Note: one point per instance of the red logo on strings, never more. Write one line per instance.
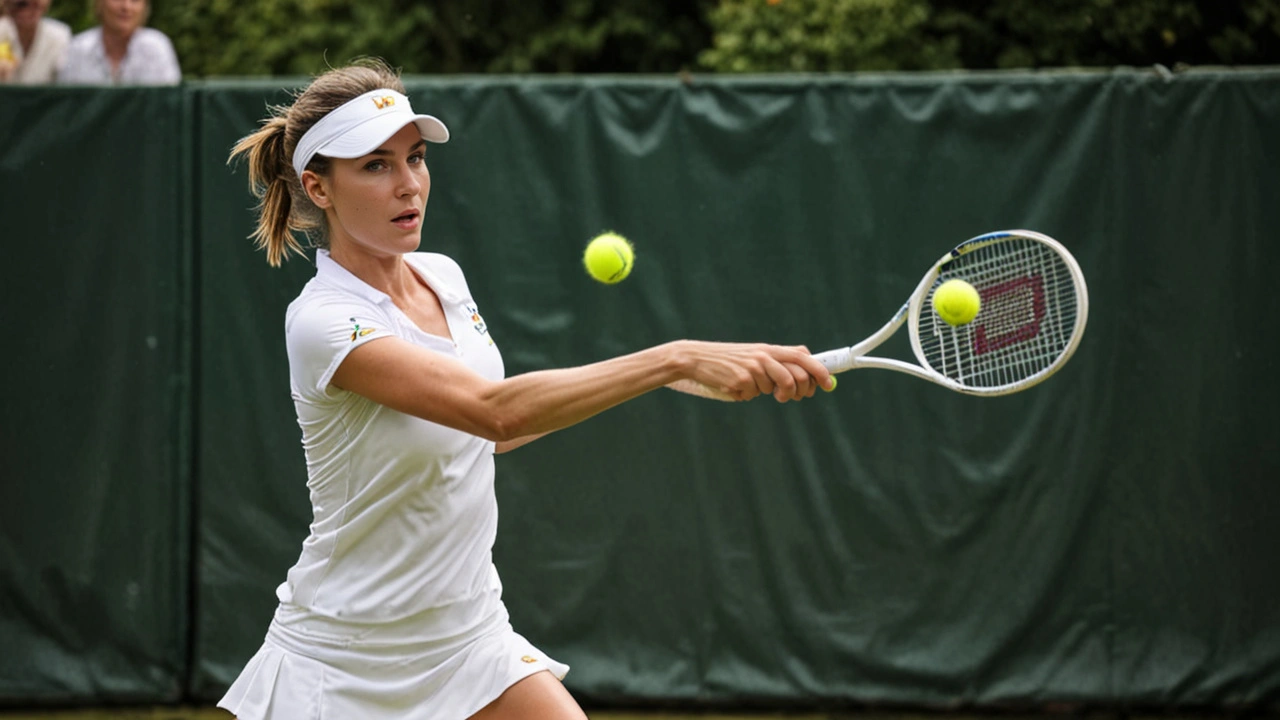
(1011, 312)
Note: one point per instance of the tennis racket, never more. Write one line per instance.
(1033, 313)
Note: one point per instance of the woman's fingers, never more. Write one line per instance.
(813, 368)
(804, 383)
(746, 371)
(805, 374)
(788, 373)
(784, 381)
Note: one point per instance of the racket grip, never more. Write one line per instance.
(836, 360)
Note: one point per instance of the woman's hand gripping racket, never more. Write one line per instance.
(1032, 316)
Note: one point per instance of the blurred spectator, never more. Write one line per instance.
(30, 43)
(120, 51)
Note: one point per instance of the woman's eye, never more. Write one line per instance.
(417, 158)
(374, 165)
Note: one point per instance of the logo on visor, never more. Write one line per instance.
(384, 101)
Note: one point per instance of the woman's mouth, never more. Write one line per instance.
(407, 220)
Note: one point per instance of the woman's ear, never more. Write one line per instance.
(316, 189)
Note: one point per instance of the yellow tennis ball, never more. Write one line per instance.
(608, 258)
(956, 302)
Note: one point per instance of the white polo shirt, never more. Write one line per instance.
(404, 510)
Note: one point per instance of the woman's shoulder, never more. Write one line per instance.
(436, 261)
(150, 34)
(93, 34)
(321, 299)
(55, 29)
(149, 37)
(443, 267)
(85, 40)
(325, 319)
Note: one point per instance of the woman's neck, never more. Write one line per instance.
(116, 45)
(27, 36)
(388, 274)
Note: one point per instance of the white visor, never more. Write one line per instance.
(361, 125)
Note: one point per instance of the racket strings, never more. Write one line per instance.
(1028, 314)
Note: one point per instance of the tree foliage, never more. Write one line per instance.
(825, 35)
(234, 37)
(850, 35)
(302, 37)
(1101, 33)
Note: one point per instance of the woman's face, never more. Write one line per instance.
(375, 203)
(122, 17)
(26, 13)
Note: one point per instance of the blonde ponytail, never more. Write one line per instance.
(270, 178)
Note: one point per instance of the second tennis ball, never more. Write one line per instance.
(608, 258)
(956, 302)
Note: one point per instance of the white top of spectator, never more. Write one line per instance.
(39, 66)
(150, 60)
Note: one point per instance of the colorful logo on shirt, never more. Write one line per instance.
(478, 322)
(529, 659)
(359, 332)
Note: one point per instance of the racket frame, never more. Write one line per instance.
(855, 356)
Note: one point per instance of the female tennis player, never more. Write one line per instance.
(394, 609)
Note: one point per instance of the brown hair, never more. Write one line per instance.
(285, 206)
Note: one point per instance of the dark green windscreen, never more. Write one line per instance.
(1107, 537)
(94, 526)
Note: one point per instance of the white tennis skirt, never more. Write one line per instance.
(443, 664)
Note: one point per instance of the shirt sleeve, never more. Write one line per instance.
(320, 334)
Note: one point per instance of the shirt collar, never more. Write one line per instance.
(328, 270)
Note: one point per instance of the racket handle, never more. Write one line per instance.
(836, 360)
